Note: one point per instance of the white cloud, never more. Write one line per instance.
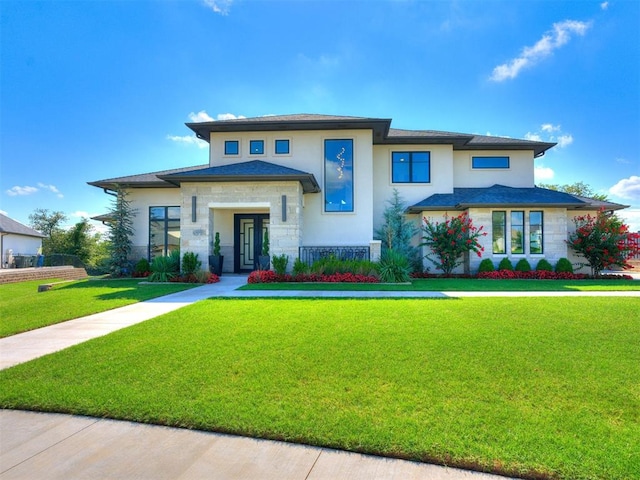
(17, 190)
(201, 116)
(630, 216)
(82, 214)
(559, 35)
(188, 140)
(604, 5)
(229, 116)
(51, 188)
(534, 137)
(219, 6)
(548, 127)
(564, 140)
(542, 173)
(628, 188)
(623, 161)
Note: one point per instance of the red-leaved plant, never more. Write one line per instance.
(450, 240)
(604, 241)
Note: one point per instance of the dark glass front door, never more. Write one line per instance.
(248, 234)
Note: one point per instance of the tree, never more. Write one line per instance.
(396, 233)
(120, 233)
(604, 240)
(450, 240)
(578, 188)
(50, 224)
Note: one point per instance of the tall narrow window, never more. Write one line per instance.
(535, 232)
(338, 175)
(410, 167)
(164, 230)
(499, 228)
(517, 232)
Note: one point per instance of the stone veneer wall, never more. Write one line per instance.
(240, 197)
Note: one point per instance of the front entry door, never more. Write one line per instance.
(248, 234)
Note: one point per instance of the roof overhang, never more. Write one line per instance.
(307, 180)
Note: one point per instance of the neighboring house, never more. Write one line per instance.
(19, 244)
(320, 183)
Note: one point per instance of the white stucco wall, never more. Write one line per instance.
(307, 155)
(20, 244)
(519, 173)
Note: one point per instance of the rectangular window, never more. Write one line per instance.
(517, 232)
(489, 162)
(164, 230)
(499, 228)
(410, 167)
(338, 175)
(256, 147)
(231, 147)
(282, 147)
(535, 232)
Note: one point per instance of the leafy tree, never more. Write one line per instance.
(450, 240)
(397, 232)
(578, 188)
(120, 233)
(604, 240)
(50, 224)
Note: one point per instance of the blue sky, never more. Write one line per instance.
(98, 89)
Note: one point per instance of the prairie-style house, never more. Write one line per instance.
(320, 183)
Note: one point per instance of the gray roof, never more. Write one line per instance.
(10, 226)
(382, 133)
(502, 196)
(252, 171)
(144, 180)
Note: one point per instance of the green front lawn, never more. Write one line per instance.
(23, 308)
(540, 387)
(461, 284)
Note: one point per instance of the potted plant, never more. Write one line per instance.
(264, 260)
(216, 260)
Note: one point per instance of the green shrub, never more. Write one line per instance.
(394, 267)
(163, 269)
(564, 266)
(544, 265)
(486, 265)
(505, 264)
(142, 266)
(280, 263)
(299, 267)
(523, 265)
(331, 264)
(190, 263)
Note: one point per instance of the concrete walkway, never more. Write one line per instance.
(54, 446)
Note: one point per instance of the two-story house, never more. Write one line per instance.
(320, 183)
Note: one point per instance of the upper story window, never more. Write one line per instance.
(489, 162)
(231, 147)
(338, 175)
(282, 147)
(256, 147)
(411, 167)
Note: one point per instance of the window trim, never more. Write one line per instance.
(257, 142)
(490, 167)
(275, 146)
(504, 232)
(411, 153)
(541, 252)
(352, 167)
(228, 143)
(513, 229)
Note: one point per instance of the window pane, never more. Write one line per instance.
(173, 213)
(338, 175)
(156, 213)
(156, 239)
(490, 162)
(400, 167)
(517, 232)
(535, 232)
(256, 147)
(231, 147)
(282, 147)
(498, 228)
(420, 167)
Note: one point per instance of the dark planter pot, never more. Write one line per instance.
(264, 262)
(215, 264)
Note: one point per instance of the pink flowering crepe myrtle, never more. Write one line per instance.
(450, 240)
